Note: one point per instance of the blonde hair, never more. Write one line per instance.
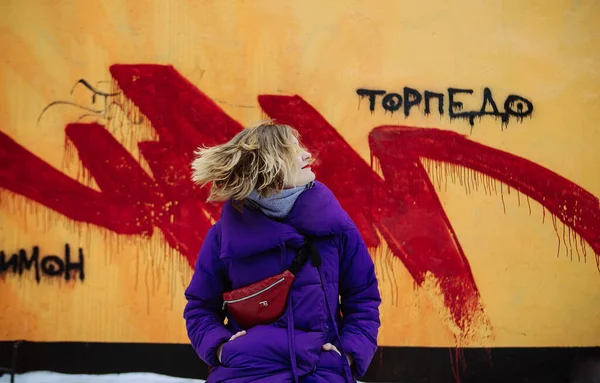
(260, 157)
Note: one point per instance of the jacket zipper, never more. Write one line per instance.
(253, 295)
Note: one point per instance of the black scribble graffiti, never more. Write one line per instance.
(54, 103)
(95, 92)
(107, 112)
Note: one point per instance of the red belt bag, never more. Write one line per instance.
(263, 302)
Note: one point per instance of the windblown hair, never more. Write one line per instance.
(260, 157)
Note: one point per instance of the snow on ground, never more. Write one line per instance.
(134, 377)
(53, 377)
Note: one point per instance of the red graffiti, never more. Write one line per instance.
(403, 206)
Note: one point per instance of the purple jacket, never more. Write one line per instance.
(244, 247)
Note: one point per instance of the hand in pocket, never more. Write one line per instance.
(234, 336)
(330, 347)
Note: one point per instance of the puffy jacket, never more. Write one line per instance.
(245, 246)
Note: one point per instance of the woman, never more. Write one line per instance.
(272, 205)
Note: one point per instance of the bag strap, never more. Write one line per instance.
(308, 250)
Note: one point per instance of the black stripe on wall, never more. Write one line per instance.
(390, 364)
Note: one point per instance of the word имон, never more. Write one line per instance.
(48, 265)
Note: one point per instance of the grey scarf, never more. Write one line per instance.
(277, 205)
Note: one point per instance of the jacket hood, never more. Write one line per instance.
(315, 213)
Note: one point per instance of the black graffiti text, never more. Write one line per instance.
(514, 105)
(48, 266)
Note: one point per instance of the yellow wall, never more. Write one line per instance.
(323, 51)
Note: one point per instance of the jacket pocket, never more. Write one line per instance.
(260, 345)
(332, 361)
